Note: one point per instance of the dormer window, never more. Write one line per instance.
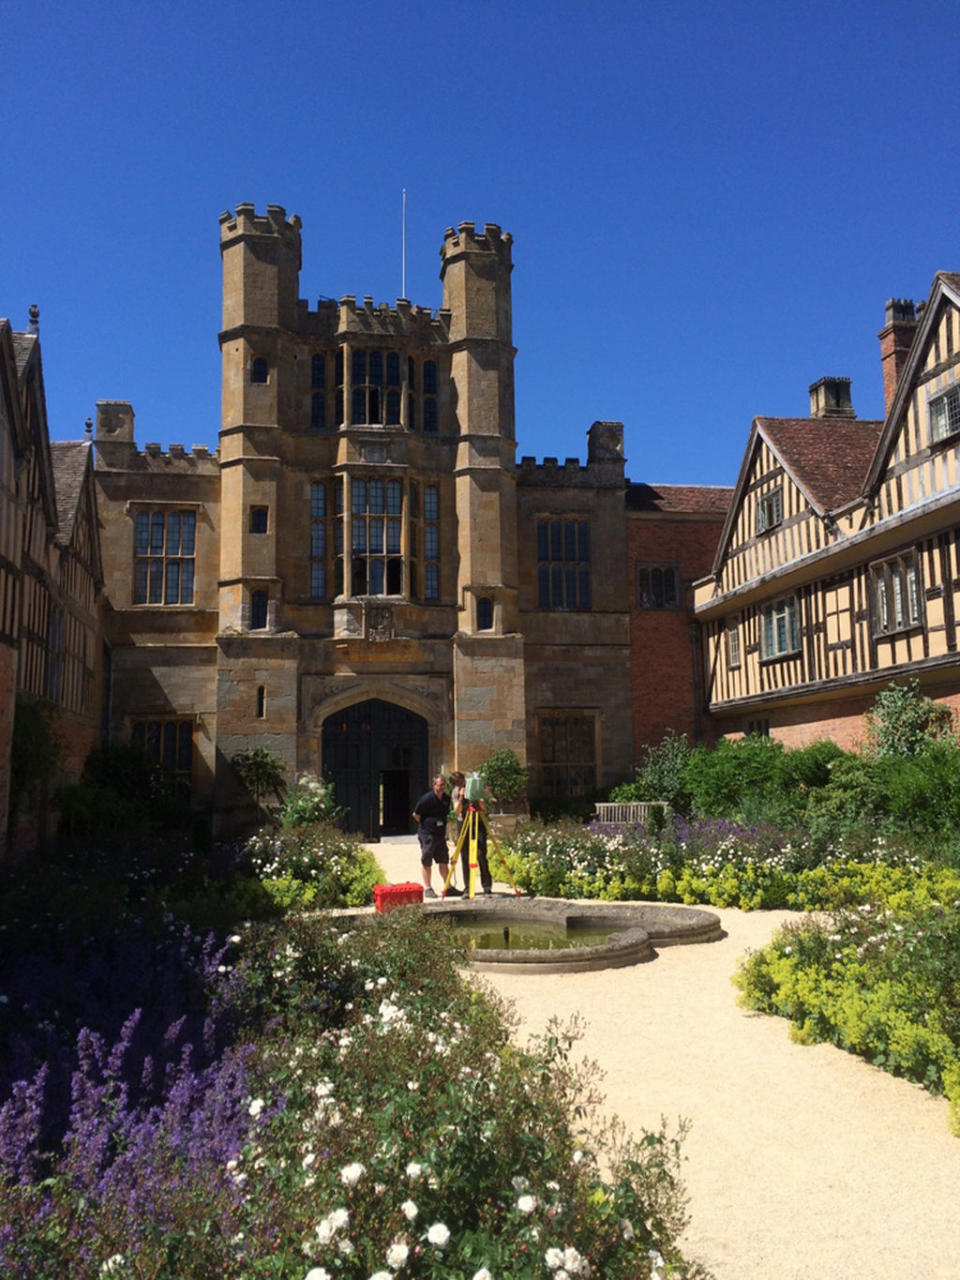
(945, 415)
(769, 510)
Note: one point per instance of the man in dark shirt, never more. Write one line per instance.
(431, 814)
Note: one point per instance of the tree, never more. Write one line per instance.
(505, 776)
(34, 755)
(263, 774)
(903, 722)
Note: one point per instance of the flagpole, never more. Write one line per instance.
(403, 243)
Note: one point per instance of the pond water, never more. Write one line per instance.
(509, 934)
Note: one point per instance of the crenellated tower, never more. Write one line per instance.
(488, 652)
(261, 265)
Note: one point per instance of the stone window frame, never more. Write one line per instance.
(569, 771)
(259, 609)
(164, 555)
(170, 741)
(564, 564)
(659, 586)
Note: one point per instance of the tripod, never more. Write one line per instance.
(470, 834)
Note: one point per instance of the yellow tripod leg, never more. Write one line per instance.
(453, 861)
(496, 844)
(472, 852)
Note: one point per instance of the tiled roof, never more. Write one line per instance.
(829, 457)
(69, 459)
(694, 499)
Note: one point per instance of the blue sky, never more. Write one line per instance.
(710, 203)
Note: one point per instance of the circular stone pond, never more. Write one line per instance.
(552, 935)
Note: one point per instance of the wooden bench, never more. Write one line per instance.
(634, 812)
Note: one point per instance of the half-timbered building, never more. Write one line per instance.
(837, 569)
(50, 578)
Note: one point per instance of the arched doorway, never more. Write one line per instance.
(375, 754)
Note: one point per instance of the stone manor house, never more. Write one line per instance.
(364, 578)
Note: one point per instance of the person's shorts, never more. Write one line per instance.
(433, 847)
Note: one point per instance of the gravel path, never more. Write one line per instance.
(802, 1162)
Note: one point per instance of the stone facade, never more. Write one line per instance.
(363, 579)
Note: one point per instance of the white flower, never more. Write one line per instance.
(256, 1107)
(317, 1273)
(381, 1275)
(527, 1204)
(520, 1183)
(346, 1247)
(409, 1209)
(438, 1234)
(577, 1156)
(572, 1261)
(351, 1174)
(339, 1219)
(397, 1255)
(112, 1265)
(554, 1258)
(309, 1159)
(414, 1170)
(482, 1274)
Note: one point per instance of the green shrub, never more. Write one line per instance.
(310, 799)
(365, 1132)
(735, 779)
(34, 754)
(123, 796)
(661, 775)
(922, 791)
(504, 776)
(314, 866)
(264, 776)
(881, 980)
(903, 723)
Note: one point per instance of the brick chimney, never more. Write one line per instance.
(830, 398)
(896, 339)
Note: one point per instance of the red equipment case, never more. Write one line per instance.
(388, 896)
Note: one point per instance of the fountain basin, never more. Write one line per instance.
(634, 931)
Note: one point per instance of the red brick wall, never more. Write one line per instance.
(843, 720)
(666, 682)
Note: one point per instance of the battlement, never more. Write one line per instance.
(466, 239)
(176, 460)
(604, 465)
(245, 222)
(405, 319)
